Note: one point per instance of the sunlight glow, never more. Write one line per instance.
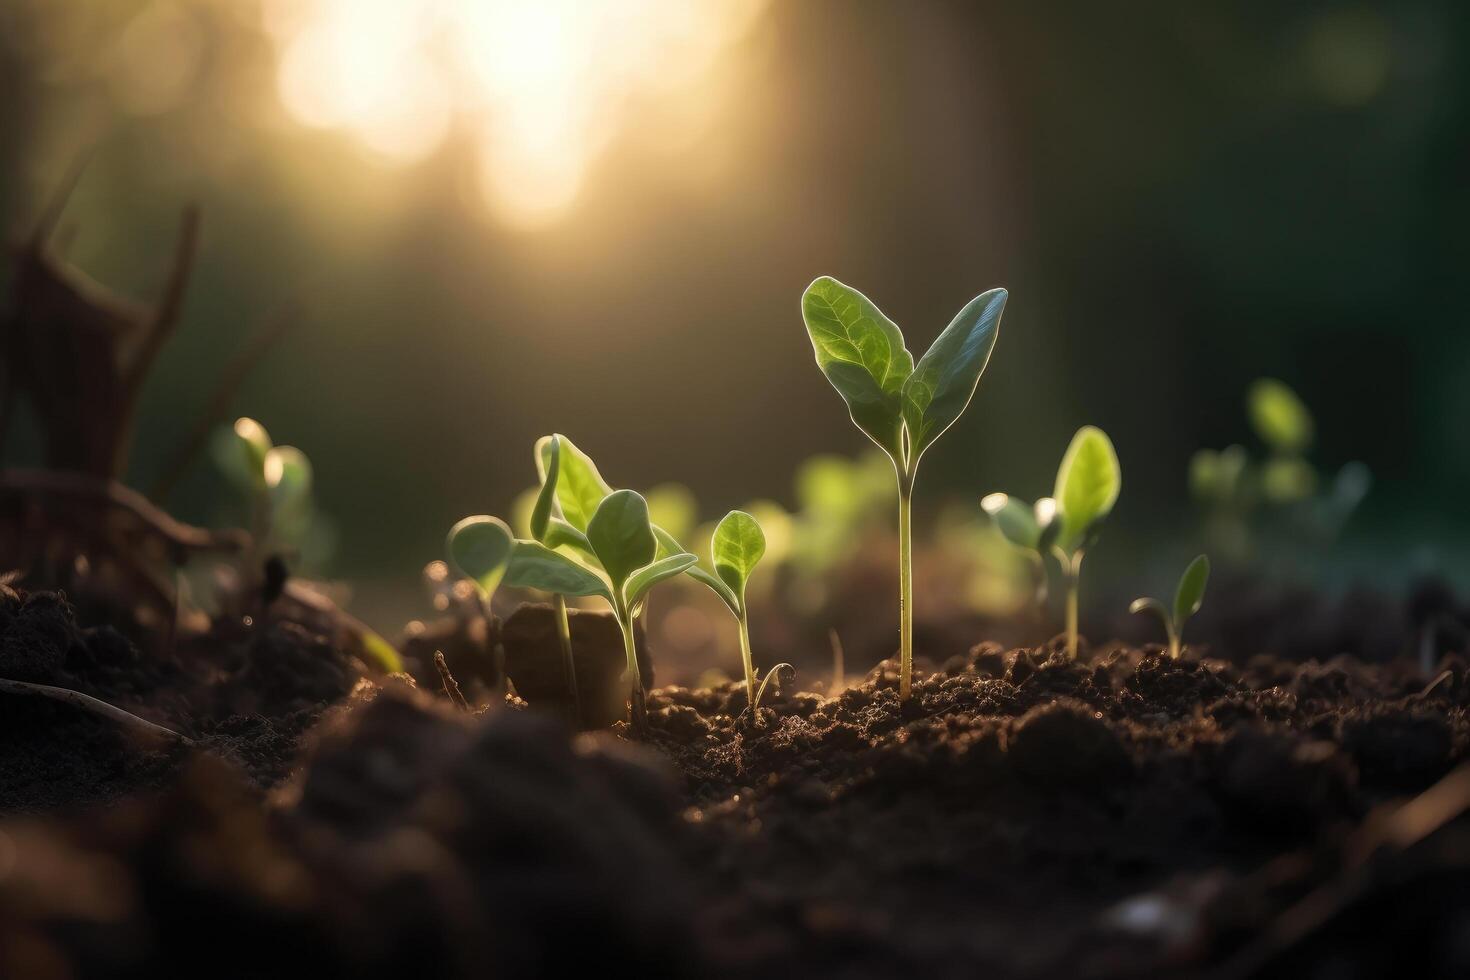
(539, 86)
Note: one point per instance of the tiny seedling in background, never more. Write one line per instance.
(479, 548)
(1088, 483)
(1188, 597)
(902, 406)
(277, 482)
(1018, 524)
(737, 545)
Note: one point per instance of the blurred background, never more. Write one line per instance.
(495, 220)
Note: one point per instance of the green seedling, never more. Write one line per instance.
(479, 548)
(548, 465)
(1188, 597)
(620, 539)
(278, 483)
(737, 545)
(1088, 483)
(1018, 523)
(902, 406)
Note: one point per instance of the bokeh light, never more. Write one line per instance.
(538, 87)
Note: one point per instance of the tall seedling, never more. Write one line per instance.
(903, 407)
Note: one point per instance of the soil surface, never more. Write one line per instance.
(1022, 815)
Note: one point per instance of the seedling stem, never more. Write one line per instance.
(748, 661)
(564, 634)
(905, 585)
(638, 705)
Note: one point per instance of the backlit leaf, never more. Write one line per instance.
(548, 460)
(579, 487)
(944, 380)
(480, 548)
(650, 575)
(862, 353)
(1191, 592)
(736, 547)
(1088, 483)
(621, 535)
(1016, 520)
(535, 566)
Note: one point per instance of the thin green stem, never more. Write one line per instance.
(905, 587)
(638, 708)
(564, 635)
(1174, 642)
(1073, 570)
(748, 660)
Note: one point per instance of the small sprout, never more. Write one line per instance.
(737, 545)
(621, 541)
(1088, 483)
(277, 483)
(902, 406)
(1187, 599)
(1020, 525)
(1279, 417)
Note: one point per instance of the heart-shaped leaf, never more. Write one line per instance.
(1279, 417)
(579, 487)
(535, 566)
(862, 353)
(1191, 592)
(944, 380)
(736, 547)
(650, 575)
(1088, 484)
(621, 535)
(1016, 520)
(480, 548)
(548, 461)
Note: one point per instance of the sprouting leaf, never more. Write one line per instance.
(1279, 417)
(579, 487)
(862, 353)
(1088, 484)
(736, 547)
(256, 443)
(381, 652)
(548, 458)
(1015, 519)
(1150, 605)
(944, 380)
(650, 575)
(559, 533)
(1191, 592)
(621, 535)
(535, 566)
(480, 547)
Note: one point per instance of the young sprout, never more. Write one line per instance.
(737, 545)
(1020, 526)
(548, 465)
(1088, 483)
(902, 406)
(620, 539)
(277, 481)
(479, 548)
(1187, 599)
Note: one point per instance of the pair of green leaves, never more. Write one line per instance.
(590, 539)
(1087, 486)
(1189, 595)
(278, 478)
(902, 406)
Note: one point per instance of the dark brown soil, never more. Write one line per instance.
(1022, 815)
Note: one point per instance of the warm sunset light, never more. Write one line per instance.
(540, 87)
